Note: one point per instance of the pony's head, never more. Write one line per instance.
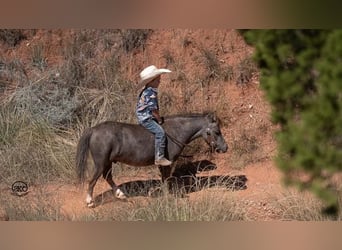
(212, 134)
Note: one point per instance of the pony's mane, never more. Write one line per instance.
(194, 115)
(189, 115)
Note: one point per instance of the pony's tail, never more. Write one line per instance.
(82, 154)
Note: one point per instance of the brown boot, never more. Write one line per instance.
(162, 162)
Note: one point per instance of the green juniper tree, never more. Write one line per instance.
(301, 74)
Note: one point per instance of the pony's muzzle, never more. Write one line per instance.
(222, 149)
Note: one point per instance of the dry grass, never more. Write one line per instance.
(300, 207)
(214, 204)
(209, 207)
(38, 57)
(245, 149)
(209, 204)
(33, 151)
(134, 38)
(245, 71)
(11, 37)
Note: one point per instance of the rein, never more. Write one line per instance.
(179, 144)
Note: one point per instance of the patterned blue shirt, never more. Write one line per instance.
(147, 102)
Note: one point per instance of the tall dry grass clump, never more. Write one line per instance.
(11, 37)
(32, 150)
(302, 206)
(209, 207)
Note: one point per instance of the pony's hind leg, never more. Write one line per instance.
(92, 182)
(107, 175)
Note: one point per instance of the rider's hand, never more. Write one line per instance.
(157, 117)
(161, 120)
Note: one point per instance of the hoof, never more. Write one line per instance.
(154, 192)
(120, 195)
(91, 205)
(90, 201)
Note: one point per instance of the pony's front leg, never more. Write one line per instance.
(168, 178)
(89, 200)
(166, 172)
(107, 175)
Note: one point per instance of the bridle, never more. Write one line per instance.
(210, 140)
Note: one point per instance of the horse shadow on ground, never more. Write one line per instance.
(182, 182)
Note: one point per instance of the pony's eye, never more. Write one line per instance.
(208, 132)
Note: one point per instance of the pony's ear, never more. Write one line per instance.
(212, 117)
(215, 119)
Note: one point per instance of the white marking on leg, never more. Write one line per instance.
(119, 194)
(89, 199)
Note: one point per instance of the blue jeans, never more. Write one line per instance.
(160, 138)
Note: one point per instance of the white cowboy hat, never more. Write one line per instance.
(149, 73)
